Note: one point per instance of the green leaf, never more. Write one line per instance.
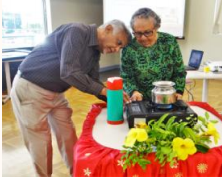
(170, 123)
(163, 143)
(143, 163)
(151, 122)
(172, 155)
(202, 119)
(207, 115)
(165, 150)
(135, 161)
(160, 130)
(188, 118)
(214, 121)
(202, 147)
(190, 134)
(162, 118)
(181, 127)
(124, 167)
(127, 161)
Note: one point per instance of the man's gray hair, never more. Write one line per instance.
(146, 13)
(119, 26)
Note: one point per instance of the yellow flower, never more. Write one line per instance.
(212, 132)
(183, 147)
(135, 134)
(141, 125)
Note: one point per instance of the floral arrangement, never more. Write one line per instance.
(171, 141)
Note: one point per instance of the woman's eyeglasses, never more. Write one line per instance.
(140, 34)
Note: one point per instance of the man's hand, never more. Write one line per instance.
(103, 92)
(136, 96)
(126, 97)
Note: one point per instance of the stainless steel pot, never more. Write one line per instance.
(164, 92)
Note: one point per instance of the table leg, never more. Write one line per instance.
(205, 90)
(5, 98)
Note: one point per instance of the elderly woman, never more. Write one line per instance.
(151, 56)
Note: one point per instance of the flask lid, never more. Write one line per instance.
(115, 83)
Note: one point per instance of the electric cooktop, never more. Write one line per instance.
(144, 111)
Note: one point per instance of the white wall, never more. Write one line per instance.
(198, 31)
(85, 11)
(68, 11)
(198, 25)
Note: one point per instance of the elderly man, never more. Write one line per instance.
(68, 57)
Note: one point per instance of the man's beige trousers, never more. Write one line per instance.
(38, 111)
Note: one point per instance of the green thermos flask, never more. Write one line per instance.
(115, 100)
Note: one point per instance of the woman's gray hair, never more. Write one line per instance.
(146, 13)
(119, 26)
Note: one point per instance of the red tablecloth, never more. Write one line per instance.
(92, 159)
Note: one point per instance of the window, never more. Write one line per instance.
(23, 23)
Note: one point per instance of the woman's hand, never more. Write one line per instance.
(179, 96)
(126, 98)
(136, 96)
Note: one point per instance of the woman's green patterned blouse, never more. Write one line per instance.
(142, 66)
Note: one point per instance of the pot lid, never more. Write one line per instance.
(164, 83)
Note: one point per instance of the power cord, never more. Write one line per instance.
(189, 93)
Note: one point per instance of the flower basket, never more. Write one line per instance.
(171, 141)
